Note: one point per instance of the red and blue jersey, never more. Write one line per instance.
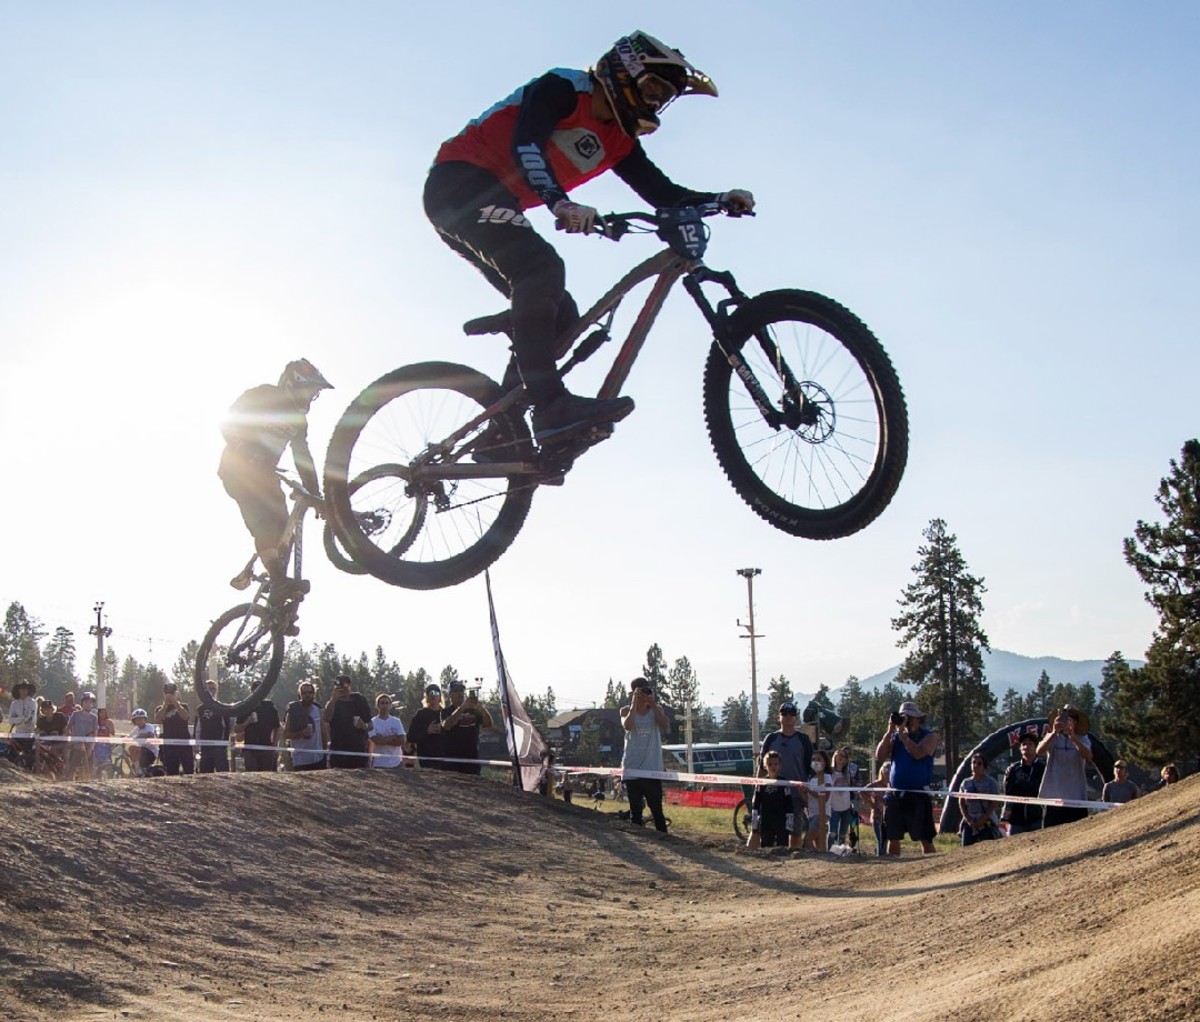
(546, 126)
(545, 139)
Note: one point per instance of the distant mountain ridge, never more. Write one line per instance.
(1004, 670)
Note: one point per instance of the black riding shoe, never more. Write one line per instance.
(287, 589)
(494, 445)
(568, 415)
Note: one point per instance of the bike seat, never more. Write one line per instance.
(499, 323)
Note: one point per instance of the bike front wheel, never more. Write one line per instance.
(243, 651)
(369, 520)
(408, 501)
(827, 458)
(741, 821)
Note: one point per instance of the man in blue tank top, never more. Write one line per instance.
(908, 809)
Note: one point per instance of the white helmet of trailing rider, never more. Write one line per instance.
(302, 374)
(641, 76)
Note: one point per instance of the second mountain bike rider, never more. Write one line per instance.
(260, 426)
(551, 135)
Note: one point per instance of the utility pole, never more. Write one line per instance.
(687, 733)
(748, 574)
(102, 632)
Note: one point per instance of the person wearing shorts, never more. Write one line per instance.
(908, 808)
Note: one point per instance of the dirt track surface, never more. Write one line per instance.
(431, 896)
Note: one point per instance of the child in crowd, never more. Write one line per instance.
(841, 810)
(818, 796)
(874, 802)
(771, 817)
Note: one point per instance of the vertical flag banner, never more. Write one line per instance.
(525, 745)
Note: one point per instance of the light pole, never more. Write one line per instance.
(748, 574)
(102, 632)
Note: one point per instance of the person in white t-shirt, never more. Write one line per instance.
(141, 753)
(386, 736)
(22, 721)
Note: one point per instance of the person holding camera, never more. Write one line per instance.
(172, 716)
(1068, 751)
(908, 807)
(645, 723)
(461, 722)
(347, 715)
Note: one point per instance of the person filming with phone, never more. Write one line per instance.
(1068, 751)
(461, 723)
(172, 718)
(645, 723)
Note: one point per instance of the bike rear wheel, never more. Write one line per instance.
(390, 483)
(243, 650)
(835, 460)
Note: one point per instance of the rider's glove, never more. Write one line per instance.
(738, 200)
(576, 219)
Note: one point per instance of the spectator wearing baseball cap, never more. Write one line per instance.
(910, 746)
(462, 721)
(795, 763)
(425, 730)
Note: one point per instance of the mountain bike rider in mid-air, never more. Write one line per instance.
(532, 148)
(261, 424)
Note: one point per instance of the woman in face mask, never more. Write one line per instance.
(818, 796)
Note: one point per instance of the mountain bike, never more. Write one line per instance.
(243, 648)
(803, 408)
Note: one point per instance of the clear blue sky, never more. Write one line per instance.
(195, 193)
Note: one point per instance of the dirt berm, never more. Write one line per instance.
(433, 896)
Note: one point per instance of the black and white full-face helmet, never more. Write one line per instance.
(641, 76)
(301, 375)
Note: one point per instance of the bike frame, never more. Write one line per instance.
(667, 267)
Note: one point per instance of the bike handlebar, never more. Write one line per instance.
(616, 225)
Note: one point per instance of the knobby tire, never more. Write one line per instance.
(829, 477)
(434, 532)
(255, 679)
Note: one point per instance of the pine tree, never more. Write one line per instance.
(20, 655)
(684, 690)
(615, 695)
(58, 665)
(655, 672)
(1041, 699)
(735, 719)
(939, 625)
(779, 691)
(1158, 706)
(1012, 706)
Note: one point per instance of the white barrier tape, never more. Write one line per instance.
(727, 779)
(157, 743)
(676, 776)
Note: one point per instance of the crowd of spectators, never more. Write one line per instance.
(76, 741)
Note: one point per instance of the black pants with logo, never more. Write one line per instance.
(482, 221)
